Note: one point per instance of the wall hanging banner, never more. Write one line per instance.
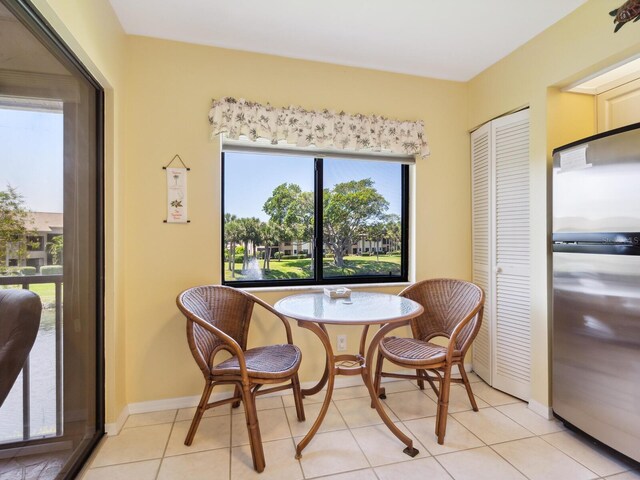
(176, 195)
(324, 129)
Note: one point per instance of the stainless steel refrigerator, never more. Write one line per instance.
(596, 287)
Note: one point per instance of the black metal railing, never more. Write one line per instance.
(25, 282)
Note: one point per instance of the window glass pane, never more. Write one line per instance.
(268, 217)
(362, 234)
(31, 147)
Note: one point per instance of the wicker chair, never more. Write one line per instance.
(452, 309)
(218, 320)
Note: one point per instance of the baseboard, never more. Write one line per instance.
(170, 403)
(540, 409)
(192, 401)
(114, 428)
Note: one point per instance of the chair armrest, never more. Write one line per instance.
(477, 312)
(233, 345)
(269, 308)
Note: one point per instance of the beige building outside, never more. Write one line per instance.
(47, 226)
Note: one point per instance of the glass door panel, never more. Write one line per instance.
(51, 244)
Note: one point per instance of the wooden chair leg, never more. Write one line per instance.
(420, 380)
(439, 398)
(435, 389)
(199, 412)
(297, 398)
(443, 405)
(236, 393)
(467, 385)
(378, 378)
(255, 439)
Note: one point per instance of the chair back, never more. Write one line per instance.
(19, 323)
(225, 310)
(447, 302)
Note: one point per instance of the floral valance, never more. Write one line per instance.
(322, 129)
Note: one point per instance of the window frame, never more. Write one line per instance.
(319, 279)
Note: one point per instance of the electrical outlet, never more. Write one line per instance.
(342, 343)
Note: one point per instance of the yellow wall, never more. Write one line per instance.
(171, 86)
(580, 44)
(93, 32)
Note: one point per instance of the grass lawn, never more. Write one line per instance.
(300, 269)
(46, 291)
(47, 294)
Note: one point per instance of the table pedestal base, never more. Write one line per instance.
(350, 365)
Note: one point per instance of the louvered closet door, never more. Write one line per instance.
(511, 370)
(482, 241)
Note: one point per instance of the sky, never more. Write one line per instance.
(31, 157)
(251, 178)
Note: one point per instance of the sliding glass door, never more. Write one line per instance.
(50, 243)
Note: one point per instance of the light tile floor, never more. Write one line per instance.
(504, 440)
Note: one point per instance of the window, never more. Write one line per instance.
(304, 220)
(35, 243)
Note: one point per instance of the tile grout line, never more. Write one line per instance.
(485, 445)
(370, 467)
(509, 418)
(576, 460)
(304, 475)
(166, 444)
(293, 440)
(519, 423)
(435, 457)
(348, 428)
(507, 460)
(356, 440)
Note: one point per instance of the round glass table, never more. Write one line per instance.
(314, 311)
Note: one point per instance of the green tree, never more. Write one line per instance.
(291, 213)
(256, 234)
(376, 231)
(306, 226)
(14, 229)
(348, 209)
(231, 237)
(56, 248)
(269, 238)
(249, 232)
(393, 230)
(281, 206)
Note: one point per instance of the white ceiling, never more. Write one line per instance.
(448, 39)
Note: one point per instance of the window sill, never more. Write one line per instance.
(320, 288)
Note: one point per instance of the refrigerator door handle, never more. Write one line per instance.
(602, 249)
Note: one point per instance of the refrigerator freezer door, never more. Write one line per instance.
(599, 191)
(596, 346)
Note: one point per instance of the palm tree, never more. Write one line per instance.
(249, 233)
(232, 230)
(376, 232)
(393, 230)
(56, 248)
(268, 238)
